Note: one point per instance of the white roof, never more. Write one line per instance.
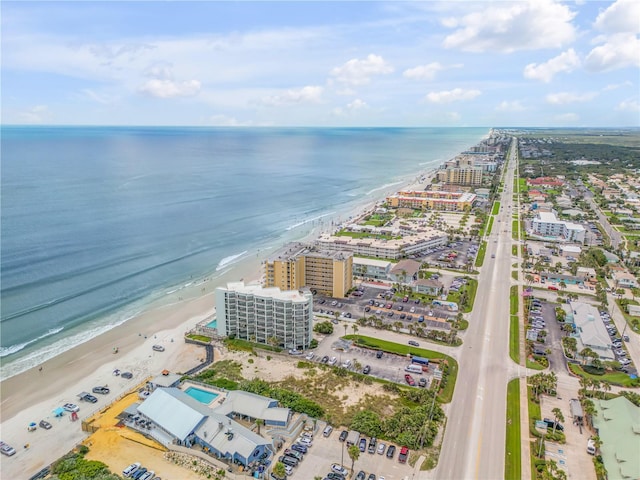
(252, 405)
(571, 249)
(371, 262)
(269, 292)
(548, 217)
(214, 432)
(174, 411)
(590, 326)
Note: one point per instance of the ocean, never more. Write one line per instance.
(97, 223)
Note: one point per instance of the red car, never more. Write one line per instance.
(552, 287)
(409, 379)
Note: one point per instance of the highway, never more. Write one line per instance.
(474, 439)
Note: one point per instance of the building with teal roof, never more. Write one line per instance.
(617, 423)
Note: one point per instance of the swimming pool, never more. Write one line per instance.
(203, 396)
(213, 324)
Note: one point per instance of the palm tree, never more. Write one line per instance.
(558, 417)
(354, 454)
(259, 422)
(355, 330)
(345, 328)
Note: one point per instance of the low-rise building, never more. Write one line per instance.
(428, 286)
(180, 419)
(371, 268)
(405, 271)
(546, 225)
(570, 251)
(587, 273)
(590, 331)
(617, 424)
(559, 277)
(624, 280)
(432, 200)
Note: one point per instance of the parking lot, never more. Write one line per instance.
(328, 450)
(386, 366)
(380, 302)
(453, 255)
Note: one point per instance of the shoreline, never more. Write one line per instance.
(32, 394)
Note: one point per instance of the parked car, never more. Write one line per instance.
(379, 354)
(87, 397)
(294, 453)
(44, 424)
(366, 369)
(148, 475)
(363, 444)
(138, 473)
(372, 445)
(413, 343)
(403, 455)
(391, 451)
(71, 407)
(361, 475)
(298, 447)
(343, 435)
(333, 361)
(131, 469)
(158, 348)
(336, 467)
(288, 461)
(335, 476)
(127, 375)
(381, 448)
(422, 382)
(325, 359)
(306, 441)
(101, 390)
(327, 430)
(551, 423)
(6, 449)
(409, 379)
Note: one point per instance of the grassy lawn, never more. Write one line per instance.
(631, 321)
(514, 338)
(400, 349)
(618, 378)
(489, 225)
(515, 228)
(513, 299)
(514, 274)
(534, 365)
(470, 288)
(238, 344)
(514, 250)
(496, 208)
(199, 338)
(481, 253)
(512, 464)
(522, 183)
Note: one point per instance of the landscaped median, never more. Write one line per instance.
(515, 227)
(514, 338)
(489, 225)
(481, 253)
(449, 365)
(614, 378)
(512, 460)
(496, 208)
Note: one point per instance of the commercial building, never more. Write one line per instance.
(297, 265)
(371, 269)
(546, 225)
(624, 280)
(405, 271)
(391, 249)
(590, 331)
(265, 315)
(428, 286)
(179, 419)
(433, 200)
(617, 423)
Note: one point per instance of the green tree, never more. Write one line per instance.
(259, 423)
(279, 470)
(558, 416)
(354, 454)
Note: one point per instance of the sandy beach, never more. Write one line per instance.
(32, 395)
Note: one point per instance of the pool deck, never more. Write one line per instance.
(219, 400)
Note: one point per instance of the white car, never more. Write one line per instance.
(131, 469)
(306, 441)
(148, 475)
(339, 469)
(288, 469)
(309, 356)
(333, 361)
(381, 448)
(71, 407)
(158, 348)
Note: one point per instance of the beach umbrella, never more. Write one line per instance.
(58, 412)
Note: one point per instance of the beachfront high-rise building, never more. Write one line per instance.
(461, 175)
(433, 200)
(297, 265)
(265, 315)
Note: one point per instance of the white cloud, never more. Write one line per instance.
(36, 114)
(359, 72)
(562, 98)
(513, 26)
(510, 106)
(447, 96)
(350, 108)
(357, 104)
(565, 62)
(567, 118)
(169, 89)
(97, 97)
(622, 16)
(618, 51)
(308, 94)
(427, 72)
(615, 86)
(630, 105)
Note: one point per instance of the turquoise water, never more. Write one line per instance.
(203, 396)
(213, 324)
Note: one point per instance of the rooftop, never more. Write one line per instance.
(270, 292)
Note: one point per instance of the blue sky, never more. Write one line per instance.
(455, 63)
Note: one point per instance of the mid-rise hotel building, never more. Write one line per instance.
(433, 200)
(546, 224)
(297, 265)
(265, 315)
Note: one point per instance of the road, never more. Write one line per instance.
(614, 235)
(474, 440)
